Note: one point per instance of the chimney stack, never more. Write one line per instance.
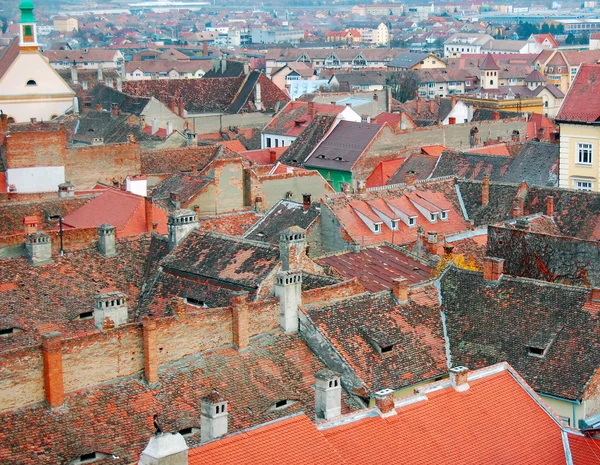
(400, 289)
(495, 116)
(246, 68)
(419, 244)
(154, 126)
(388, 99)
(241, 331)
(106, 240)
(181, 107)
(149, 211)
(459, 377)
(111, 305)
(311, 109)
(169, 128)
(485, 190)
(165, 449)
(98, 107)
(114, 110)
(361, 187)
(288, 288)
(39, 248)
(409, 179)
(119, 84)
(66, 190)
(292, 247)
(432, 240)
(74, 76)
(100, 74)
(214, 417)
(180, 224)
(205, 48)
(272, 156)
(518, 206)
(431, 106)
(384, 401)
(3, 122)
(550, 205)
(172, 104)
(223, 65)
(328, 395)
(175, 199)
(493, 268)
(53, 369)
(453, 101)
(257, 96)
(418, 105)
(306, 201)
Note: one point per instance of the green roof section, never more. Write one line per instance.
(27, 8)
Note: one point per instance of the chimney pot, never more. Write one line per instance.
(400, 289)
(459, 377)
(493, 268)
(384, 400)
(328, 395)
(448, 249)
(214, 417)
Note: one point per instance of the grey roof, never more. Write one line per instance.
(407, 60)
(343, 146)
(536, 164)
(106, 96)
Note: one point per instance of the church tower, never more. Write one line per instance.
(27, 27)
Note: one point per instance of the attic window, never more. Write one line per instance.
(86, 315)
(394, 225)
(8, 331)
(339, 159)
(387, 350)
(321, 156)
(189, 431)
(88, 457)
(260, 234)
(377, 227)
(412, 221)
(195, 302)
(433, 217)
(31, 83)
(281, 404)
(537, 351)
(444, 215)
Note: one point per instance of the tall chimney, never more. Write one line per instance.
(181, 109)
(165, 449)
(111, 305)
(205, 48)
(459, 377)
(496, 116)
(169, 128)
(384, 401)
(272, 156)
(119, 84)
(100, 74)
(172, 104)
(306, 201)
(328, 395)
(106, 240)
(154, 126)
(431, 106)
(288, 288)
(114, 110)
(400, 289)
(418, 105)
(388, 99)
(493, 268)
(453, 101)
(53, 369)
(180, 224)
(241, 331)
(485, 190)
(311, 110)
(4, 122)
(550, 205)
(66, 190)
(257, 96)
(420, 236)
(223, 65)
(214, 417)
(149, 211)
(74, 76)
(432, 242)
(150, 350)
(292, 247)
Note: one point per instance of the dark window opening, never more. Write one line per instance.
(86, 315)
(6, 331)
(31, 82)
(185, 431)
(199, 303)
(281, 403)
(90, 456)
(536, 351)
(387, 349)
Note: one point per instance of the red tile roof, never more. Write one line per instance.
(383, 172)
(265, 156)
(295, 117)
(376, 267)
(304, 444)
(9, 55)
(582, 103)
(433, 150)
(584, 449)
(234, 145)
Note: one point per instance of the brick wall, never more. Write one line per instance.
(102, 356)
(40, 148)
(336, 291)
(72, 239)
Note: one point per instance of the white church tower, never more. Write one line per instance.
(29, 85)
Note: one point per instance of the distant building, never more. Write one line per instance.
(62, 24)
(372, 32)
(276, 36)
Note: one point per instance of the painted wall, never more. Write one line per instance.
(40, 179)
(569, 170)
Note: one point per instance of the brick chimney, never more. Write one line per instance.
(328, 395)
(150, 350)
(165, 449)
(241, 331)
(361, 188)
(550, 205)
(517, 208)
(485, 191)
(409, 179)
(214, 417)
(432, 242)
(418, 105)
(272, 156)
(431, 106)
(595, 294)
(3, 122)
(384, 401)
(453, 101)
(400, 289)
(74, 77)
(148, 209)
(496, 116)
(205, 48)
(311, 110)
(459, 377)
(172, 104)
(53, 369)
(493, 268)
(181, 107)
(98, 107)
(306, 200)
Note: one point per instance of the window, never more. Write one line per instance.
(195, 302)
(444, 216)
(584, 154)
(88, 457)
(432, 217)
(276, 142)
(86, 315)
(412, 221)
(31, 83)
(567, 420)
(536, 351)
(394, 224)
(377, 227)
(584, 185)
(7, 331)
(268, 142)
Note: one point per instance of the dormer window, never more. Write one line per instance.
(394, 225)
(31, 83)
(90, 457)
(189, 431)
(387, 350)
(412, 221)
(535, 351)
(377, 227)
(281, 404)
(433, 217)
(321, 156)
(6, 332)
(195, 302)
(86, 315)
(444, 215)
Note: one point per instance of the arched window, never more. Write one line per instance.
(31, 82)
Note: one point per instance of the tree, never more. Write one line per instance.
(545, 28)
(570, 39)
(524, 30)
(560, 29)
(4, 24)
(404, 85)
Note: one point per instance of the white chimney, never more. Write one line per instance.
(100, 74)
(257, 96)
(106, 240)
(214, 417)
(459, 377)
(111, 305)
(169, 128)
(288, 288)
(165, 449)
(328, 395)
(75, 105)
(154, 126)
(137, 185)
(39, 248)
(180, 224)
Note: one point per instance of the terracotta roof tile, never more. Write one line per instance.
(582, 103)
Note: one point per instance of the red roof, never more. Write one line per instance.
(383, 172)
(540, 126)
(539, 38)
(582, 103)
(233, 145)
(123, 210)
(304, 444)
(497, 149)
(9, 56)
(489, 63)
(265, 156)
(296, 116)
(434, 150)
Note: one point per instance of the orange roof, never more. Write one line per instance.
(233, 145)
(435, 150)
(263, 157)
(497, 149)
(383, 172)
(491, 422)
(584, 449)
(304, 444)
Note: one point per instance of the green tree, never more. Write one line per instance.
(404, 85)
(560, 29)
(570, 39)
(524, 30)
(545, 29)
